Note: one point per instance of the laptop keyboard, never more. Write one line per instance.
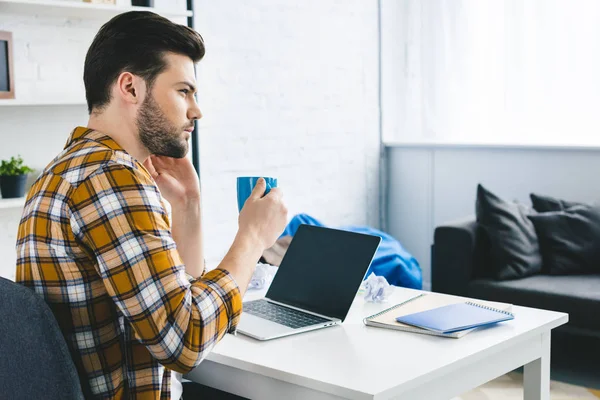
(281, 315)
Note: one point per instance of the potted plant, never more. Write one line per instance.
(13, 175)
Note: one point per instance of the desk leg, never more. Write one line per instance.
(536, 377)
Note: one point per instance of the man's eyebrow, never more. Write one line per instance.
(191, 85)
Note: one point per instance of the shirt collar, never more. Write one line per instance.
(83, 133)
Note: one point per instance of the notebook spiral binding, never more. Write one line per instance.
(489, 308)
(392, 308)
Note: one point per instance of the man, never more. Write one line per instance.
(126, 282)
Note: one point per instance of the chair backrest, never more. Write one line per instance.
(35, 362)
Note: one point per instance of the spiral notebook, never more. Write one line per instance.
(455, 317)
(430, 301)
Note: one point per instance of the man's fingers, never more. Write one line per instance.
(259, 189)
(275, 192)
(150, 167)
(159, 161)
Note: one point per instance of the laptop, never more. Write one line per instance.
(314, 286)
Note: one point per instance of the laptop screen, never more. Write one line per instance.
(323, 269)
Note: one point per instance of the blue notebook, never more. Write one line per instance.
(455, 317)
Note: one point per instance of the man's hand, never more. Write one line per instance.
(263, 218)
(178, 183)
(176, 178)
(261, 221)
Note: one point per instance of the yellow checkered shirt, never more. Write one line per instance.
(95, 241)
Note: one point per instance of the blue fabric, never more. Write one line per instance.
(391, 261)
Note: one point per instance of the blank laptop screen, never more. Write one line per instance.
(323, 269)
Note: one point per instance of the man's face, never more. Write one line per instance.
(166, 117)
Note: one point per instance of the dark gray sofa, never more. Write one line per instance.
(460, 254)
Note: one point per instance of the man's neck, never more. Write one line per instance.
(120, 129)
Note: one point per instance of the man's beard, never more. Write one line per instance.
(157, 134)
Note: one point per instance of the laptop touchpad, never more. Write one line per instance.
(260, 327)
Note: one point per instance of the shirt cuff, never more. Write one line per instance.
(223, 283)
(190, 278)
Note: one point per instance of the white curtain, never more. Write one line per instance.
(493, 71)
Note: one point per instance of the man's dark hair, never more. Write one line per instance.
(136, 42)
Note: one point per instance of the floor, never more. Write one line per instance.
(510, 387)
(575, 374)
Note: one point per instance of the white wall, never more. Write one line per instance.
(48, 60)
(287, 89)
(432, 185)
(48, 67)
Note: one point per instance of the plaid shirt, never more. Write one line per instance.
(95, 241)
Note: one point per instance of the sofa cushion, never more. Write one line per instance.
(514, 248)
(569, 240)
(577, 295)
(546, 203)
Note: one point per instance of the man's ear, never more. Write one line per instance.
(130, 88)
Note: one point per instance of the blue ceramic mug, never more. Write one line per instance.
(245, 184)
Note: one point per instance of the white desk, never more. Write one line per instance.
(358, 362)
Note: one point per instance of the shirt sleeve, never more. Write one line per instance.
(118, 215)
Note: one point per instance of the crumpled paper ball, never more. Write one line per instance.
(376, 289)
(262, 277)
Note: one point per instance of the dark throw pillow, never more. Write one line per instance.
(569, 240)
(514, 247)
(546, 203)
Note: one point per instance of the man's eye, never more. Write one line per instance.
(185, 91)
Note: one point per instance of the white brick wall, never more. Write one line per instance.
(47, 50)
(287, 89)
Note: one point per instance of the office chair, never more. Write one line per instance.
(35, 362)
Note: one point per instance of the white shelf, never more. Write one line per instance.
(17, 102)
(12, 203)
(78, 9)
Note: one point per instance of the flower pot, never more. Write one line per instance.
(12, 186)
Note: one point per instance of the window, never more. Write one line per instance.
(491, 71)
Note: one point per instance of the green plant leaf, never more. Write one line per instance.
(14, 166)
